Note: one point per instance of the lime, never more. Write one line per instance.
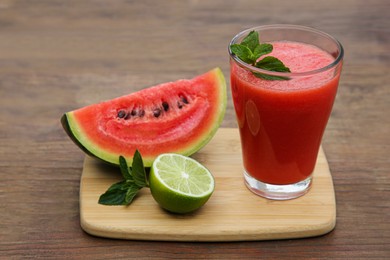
(180, 184)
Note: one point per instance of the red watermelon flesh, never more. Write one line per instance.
(178, 117)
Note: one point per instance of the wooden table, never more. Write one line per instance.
(56, 56)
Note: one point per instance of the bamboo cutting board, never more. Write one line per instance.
(233, 213)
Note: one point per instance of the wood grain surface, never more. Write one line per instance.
(233, 213)
(56, 56)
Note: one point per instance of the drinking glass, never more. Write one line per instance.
(281, 122)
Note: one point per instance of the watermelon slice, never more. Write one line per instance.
(179, 117)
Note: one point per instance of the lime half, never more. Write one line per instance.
(180, 184)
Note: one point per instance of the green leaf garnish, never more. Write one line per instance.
(123, 192)
(272, 64)
(130, 194)
(250, 50)
(126, 172)
(243, 52)
(138, 170)
(116, 194)
(251, 40)
(263, 49)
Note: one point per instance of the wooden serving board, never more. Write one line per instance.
(233, 213)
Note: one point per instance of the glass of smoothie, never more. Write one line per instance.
(282, 115)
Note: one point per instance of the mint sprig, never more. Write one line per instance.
(250, 50)
(123, 192)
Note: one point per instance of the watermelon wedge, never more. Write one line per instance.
(179, 117)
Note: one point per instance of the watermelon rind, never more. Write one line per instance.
(80, 138)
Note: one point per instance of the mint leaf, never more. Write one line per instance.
(120, 193)
(272, 64)
(250, 50)
(243, 52)
(115, 195)
(122, 185)
(126, 173)
(123, 192)
(251, 40)
(263, 49)
(138, 170)
(131, 192)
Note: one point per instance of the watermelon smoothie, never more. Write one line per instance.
(282, 122)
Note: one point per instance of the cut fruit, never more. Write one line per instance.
(179, 117)
(180, 184)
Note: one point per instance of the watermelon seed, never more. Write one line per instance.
(137, 112)
(156, 112)
(179, 104)
(127, 116)
(183, 99)
(141, 113)
(121, 113)
(165, 106)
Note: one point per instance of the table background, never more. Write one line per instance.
(56, 56)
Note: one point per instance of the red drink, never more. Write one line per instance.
(282, 121)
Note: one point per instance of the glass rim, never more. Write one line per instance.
(337, 60)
